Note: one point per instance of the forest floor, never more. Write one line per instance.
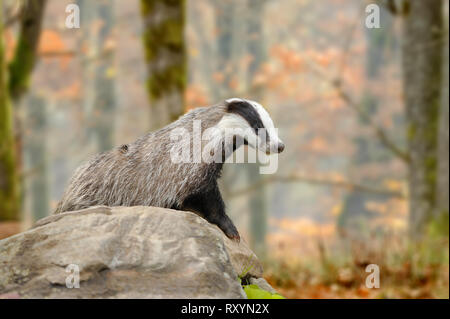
(407, 271)
(9, 228)
(428, 290)
(329, 271)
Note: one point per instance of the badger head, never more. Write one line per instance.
(254, 124)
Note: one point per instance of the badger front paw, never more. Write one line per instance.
(230, 230)
(234, 236)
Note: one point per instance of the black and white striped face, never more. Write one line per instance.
(251, 117)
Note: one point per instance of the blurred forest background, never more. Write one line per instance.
(363, 113)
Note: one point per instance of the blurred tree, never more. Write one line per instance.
(423, 37)
(14, 86)
(443, 172)
(355, 215)
(227, 38)
(257, 200)
(224, 15)
(99, 72)
(36, 155)
(201, 45)
(104, 83)
(165, 54)
(9, 183)
(88, 41)
(378, 39)
(25, 55)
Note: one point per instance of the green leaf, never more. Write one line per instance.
(254, 292)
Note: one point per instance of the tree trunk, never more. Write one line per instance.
(257, 201)
(9, 182)
(36, 156)
(355, 216)
(104, 101)
(99, 100)
(25, 53)
(165, 54)
(14, 86)
(377, 41)
(225, 12)
(443, 172)
(422, 66)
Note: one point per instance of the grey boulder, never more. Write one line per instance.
(124, 252)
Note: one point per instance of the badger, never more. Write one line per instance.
(143, 173)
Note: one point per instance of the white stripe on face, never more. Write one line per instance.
(274, 140)
(234, 121)
(234, 99)
(275, 145)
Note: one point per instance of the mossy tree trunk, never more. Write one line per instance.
(14, 82)
(9, 182)
(422, 77)
(165, 55)
(25, 53)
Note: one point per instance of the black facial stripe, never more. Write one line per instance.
(248, 112)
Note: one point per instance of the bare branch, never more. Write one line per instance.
(57, 54)
(379, 132)
(320, 181)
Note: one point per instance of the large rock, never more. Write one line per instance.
(125, 252)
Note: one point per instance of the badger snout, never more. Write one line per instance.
(275, 148)
(280, 147)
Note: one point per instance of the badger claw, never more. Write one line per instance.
(232, 234)
(225, 224)
(236, 238)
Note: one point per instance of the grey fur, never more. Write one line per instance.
(144, 173)
(141, 173)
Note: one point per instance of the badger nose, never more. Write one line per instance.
(280, 147)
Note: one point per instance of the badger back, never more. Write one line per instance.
(142, 172)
